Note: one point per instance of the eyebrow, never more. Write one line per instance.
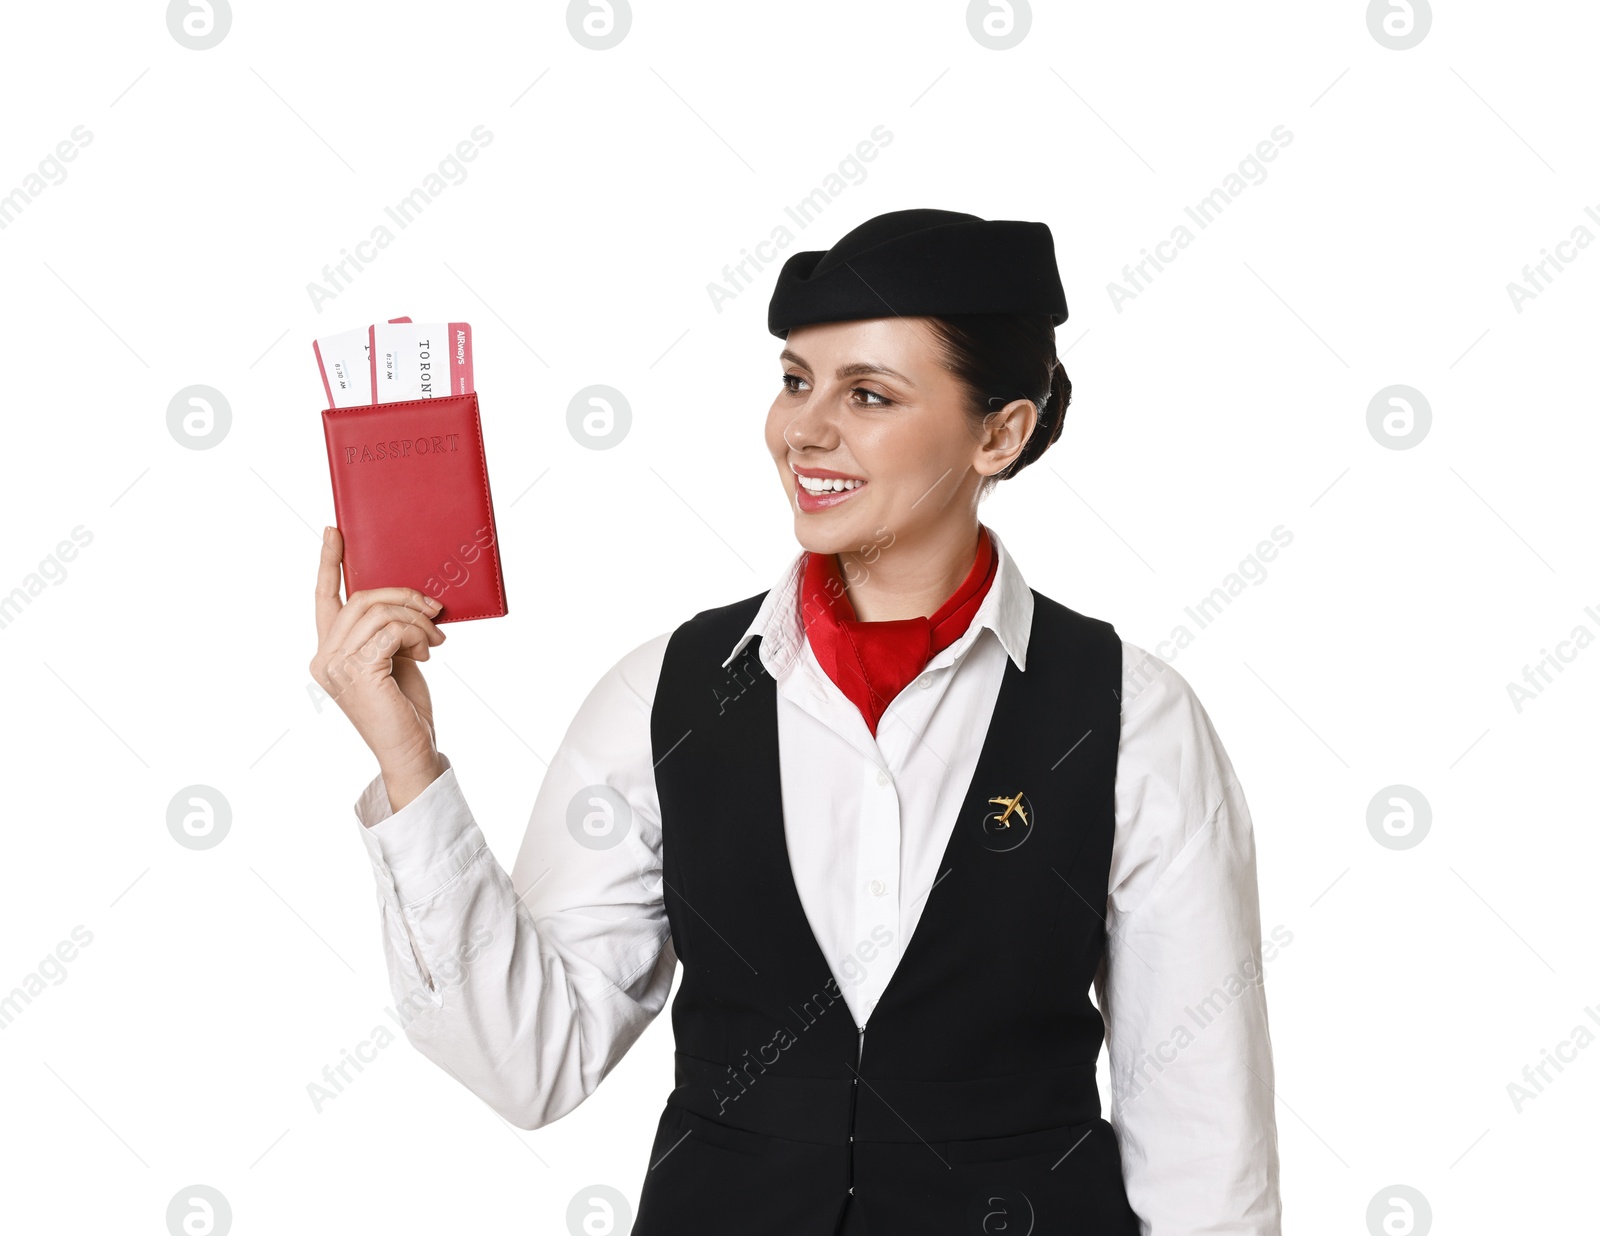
(856, 370)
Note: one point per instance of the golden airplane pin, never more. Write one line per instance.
(1014, 803)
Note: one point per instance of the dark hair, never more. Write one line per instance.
(1000, 357)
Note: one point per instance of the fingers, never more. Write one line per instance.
(328, 603)
(376, 643)
(396, 638)
(375, 634)
(374, 626)
(385, 631)
(360, 603)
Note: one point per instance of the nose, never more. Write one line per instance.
(811, 426)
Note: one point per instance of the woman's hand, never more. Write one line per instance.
(367, 653)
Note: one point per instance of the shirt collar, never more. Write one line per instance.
(1006, 609)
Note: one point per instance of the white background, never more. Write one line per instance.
(1226, 399)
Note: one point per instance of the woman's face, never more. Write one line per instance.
(871, 404)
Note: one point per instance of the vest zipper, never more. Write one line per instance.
(850, 1147)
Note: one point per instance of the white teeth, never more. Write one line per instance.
(825, 485)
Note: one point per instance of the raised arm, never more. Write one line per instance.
(527, 990)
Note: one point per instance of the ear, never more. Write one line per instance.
(1005, 432)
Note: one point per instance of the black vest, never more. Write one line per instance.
(973, 1108)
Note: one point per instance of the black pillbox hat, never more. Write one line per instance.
(915, 263)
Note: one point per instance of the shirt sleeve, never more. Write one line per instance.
(1181, 985)
(529, 987)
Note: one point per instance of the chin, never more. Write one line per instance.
(836, 531)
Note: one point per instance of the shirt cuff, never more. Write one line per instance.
(419, 849)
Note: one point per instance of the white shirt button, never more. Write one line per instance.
(878, 887)
(925, 681)
(883, 777)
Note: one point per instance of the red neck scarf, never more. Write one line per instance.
(872, 662)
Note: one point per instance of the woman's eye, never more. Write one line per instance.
(793, 383)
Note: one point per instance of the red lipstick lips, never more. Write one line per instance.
(827, 487)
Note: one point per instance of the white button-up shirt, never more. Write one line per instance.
(529, 987)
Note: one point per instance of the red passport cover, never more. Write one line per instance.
(411, 496)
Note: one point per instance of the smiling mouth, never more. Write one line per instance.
(824, 485)
(820, 493)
